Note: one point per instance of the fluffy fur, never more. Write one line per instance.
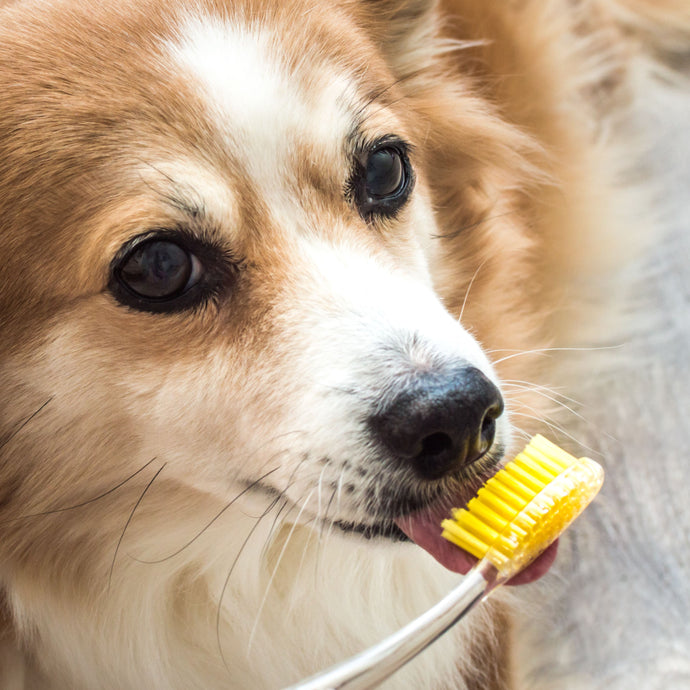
(171, 484)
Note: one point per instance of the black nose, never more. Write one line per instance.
(438, 422)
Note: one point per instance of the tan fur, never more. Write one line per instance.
(124, 433)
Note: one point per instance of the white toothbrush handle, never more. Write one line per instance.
(373, 665)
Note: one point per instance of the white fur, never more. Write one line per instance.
(260, 107)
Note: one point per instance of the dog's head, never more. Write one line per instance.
(236, 243)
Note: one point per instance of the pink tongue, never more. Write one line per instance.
(424, 529)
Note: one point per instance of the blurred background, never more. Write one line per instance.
(616, 612)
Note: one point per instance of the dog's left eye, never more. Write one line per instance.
(159, 269)
(383, 179)
(385, 173)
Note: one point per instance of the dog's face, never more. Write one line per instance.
(221, 254)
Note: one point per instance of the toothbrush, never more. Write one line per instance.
(515, 516)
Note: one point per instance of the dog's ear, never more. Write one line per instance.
(405, 30)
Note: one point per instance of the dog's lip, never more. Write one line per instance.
(385, 530)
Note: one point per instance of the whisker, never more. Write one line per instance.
(271, 531)
(289, 483)
(24, 423)
(271, 440)
(452, 45)
(227, 580)
(182, 201)
(559, 430)
(277, 437)
(310, 536)
(523, 434)
(341, 479)
(275, 569)
(129, 520)
(83, 503)
(547, 350)
(456, 233)
(319, 492)
(340, 389)
(534, 386)
(469, 287)
(324, 522)
(208, 525)
(303, 557)
(553, 399)
(249, 487)
(359, 116)
(539, 390)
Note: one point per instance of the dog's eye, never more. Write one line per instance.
(159, 270)
(385, 173)
(166, 271)
(383, 179)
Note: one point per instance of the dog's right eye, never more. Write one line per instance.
(166, 271)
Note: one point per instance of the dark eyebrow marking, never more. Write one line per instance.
(179, 198)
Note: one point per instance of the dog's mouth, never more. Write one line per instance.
(423, 527)
(418, 520)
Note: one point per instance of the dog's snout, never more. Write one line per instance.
(439, 423)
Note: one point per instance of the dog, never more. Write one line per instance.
(277, 280)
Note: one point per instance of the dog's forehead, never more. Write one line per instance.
(244, 70)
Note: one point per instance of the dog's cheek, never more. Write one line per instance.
(71, 434)
(116, 402)
(412, 240)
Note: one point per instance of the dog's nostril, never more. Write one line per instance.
(486, 436)
(487, 431)
(436, 444)
(488, 428)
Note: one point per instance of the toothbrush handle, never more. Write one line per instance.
(373, 665)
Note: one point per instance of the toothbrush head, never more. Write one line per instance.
(523, 508)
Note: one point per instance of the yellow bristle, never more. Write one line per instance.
(487, 514)
(550, 464)
(490, 500)
(515, 485)
(463, 539)
(525, 506)
(538, 470)
(550, 452)
(472, 524)
(495, 486)
(528, 480)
